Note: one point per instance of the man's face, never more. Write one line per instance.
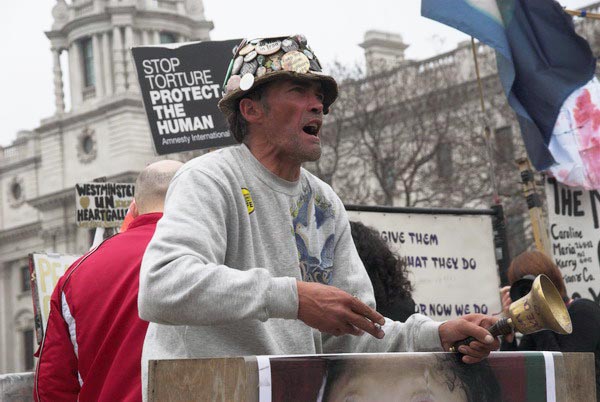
(292, 120)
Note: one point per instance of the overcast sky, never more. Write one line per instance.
(333, 28)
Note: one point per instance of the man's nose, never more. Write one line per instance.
(316, 104)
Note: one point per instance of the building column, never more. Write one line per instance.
(156, 38)
(98, 76)
(59, 95)
(75, 75)
(129, 66)
(106, 61)
(118, 60)
(146, 37)
(5, 304)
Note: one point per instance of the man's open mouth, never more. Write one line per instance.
(312, 128)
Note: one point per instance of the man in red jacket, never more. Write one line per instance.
(93, 342)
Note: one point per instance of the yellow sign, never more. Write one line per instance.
(248, 198)
(48, 269)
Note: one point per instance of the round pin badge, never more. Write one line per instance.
(314, 65)
(239, 46)
(301, 39)
(288, 45)
(237, 64)
(249, 68)
(267, 48)
(250, 56)
(308, 54)
(246, 82)
(260, 71)
(246, 49)
(233, 83)
(295, 61)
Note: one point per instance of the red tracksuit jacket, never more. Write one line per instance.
(93, 342)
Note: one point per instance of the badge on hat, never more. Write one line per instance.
(256, 58)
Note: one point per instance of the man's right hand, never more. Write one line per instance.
(336, 312)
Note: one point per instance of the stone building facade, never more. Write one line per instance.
(104, 133)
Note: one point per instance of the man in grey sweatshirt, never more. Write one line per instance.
(254, 254)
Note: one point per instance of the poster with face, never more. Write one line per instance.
(426, 377)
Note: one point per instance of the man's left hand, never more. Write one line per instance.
(474, 325)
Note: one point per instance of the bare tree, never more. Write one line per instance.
(404, 137)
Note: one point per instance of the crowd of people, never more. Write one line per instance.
(250, 254)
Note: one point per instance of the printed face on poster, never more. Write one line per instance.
(102, 204)
(574, 220)
(450, 260)
(45, 271)
(181, 86)
(424, 377)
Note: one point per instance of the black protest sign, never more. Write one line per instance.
(102, 204)
(181, 87)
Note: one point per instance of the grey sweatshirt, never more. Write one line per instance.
(219, 276)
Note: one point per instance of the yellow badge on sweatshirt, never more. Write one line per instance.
(248, 198)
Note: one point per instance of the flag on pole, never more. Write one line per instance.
(541, 62)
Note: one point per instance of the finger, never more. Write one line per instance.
(352, 330)
(366, 325)
(362, 309)
(477, 332)
(475, 349)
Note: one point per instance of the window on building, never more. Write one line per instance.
(87, 52)
(25, 279)
(28, 349)
(505, 148)
(445, 168)
(167, 37)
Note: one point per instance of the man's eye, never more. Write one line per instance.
(320, 97)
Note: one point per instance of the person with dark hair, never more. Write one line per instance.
(436, 377)
(387, 272)
(585, 314)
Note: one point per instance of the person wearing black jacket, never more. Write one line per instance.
(585, 314)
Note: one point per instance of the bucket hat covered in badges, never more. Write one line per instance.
(258, 61)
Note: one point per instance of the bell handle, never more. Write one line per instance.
(502, 327)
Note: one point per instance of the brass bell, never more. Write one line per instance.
(542, 308)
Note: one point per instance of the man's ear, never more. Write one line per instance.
(133, 208)
(252, 110)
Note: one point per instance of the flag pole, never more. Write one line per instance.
(486, 127)
(534, 204)
(582, 14)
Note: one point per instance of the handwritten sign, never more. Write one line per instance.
(45, 270)
(574, 218)
(102, 204)
(181, 87)
(450, 259)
